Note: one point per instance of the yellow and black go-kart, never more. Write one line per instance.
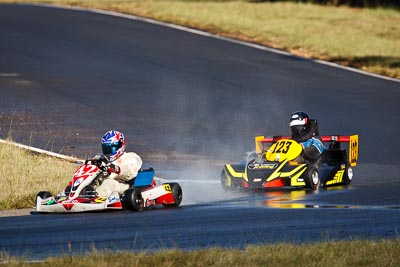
(277, 165)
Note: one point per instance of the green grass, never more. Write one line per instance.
(23, 175)
(338, 253)
(367, 39)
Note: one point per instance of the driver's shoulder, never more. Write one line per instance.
(317, 138)
(131, 156)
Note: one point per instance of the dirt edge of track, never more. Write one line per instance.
(17, 212)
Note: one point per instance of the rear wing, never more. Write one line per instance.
(262, 144)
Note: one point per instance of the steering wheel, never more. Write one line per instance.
(99, 160)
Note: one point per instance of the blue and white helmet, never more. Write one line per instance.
(113, 144)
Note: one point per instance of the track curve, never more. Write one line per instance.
(68, 76)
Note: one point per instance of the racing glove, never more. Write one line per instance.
(113, 169)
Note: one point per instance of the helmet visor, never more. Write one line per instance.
(298, 131)
(110, 148)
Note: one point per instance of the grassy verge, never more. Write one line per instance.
(367, 39)
(340, 253)
(23, 175)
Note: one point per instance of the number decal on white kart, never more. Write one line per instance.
(85, 171)
(282, 147)
(167, 187)
(100, 199)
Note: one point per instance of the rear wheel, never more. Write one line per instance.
(133, 199)
(177, 193)
(348, 176)
(312, 178)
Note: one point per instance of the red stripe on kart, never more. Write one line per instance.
(325, 138)
(245, 184)
(68, 206)
(115, 205)
(165, 199)
(335, 138)
(274, 183)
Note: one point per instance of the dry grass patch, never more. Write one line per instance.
(23, 175)
(335, 253)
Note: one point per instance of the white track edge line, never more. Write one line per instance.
(42, 151)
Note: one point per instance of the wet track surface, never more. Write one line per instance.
(174, 93)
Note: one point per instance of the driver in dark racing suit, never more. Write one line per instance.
(304, 132)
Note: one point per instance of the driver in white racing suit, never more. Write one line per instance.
(123, 165)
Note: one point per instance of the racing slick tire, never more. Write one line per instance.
(177, 193)
(43, 195)
(228, 183)
(348, 176)
(133, 199)
(312, 178)
(224, 181)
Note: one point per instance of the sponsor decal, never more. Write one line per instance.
(78, 182)
(269, 165)
(257, 180)
(339, 176)
(70, 201)
(150, 202)
(112, 199)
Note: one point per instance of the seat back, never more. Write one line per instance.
(144, 178)
(335, 156)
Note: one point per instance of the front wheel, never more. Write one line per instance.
(133, 199)
(225, 183)
(177, 192)
(312, 178)
(40, 196)
(43, 195)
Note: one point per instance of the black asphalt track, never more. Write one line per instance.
(66, 77)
